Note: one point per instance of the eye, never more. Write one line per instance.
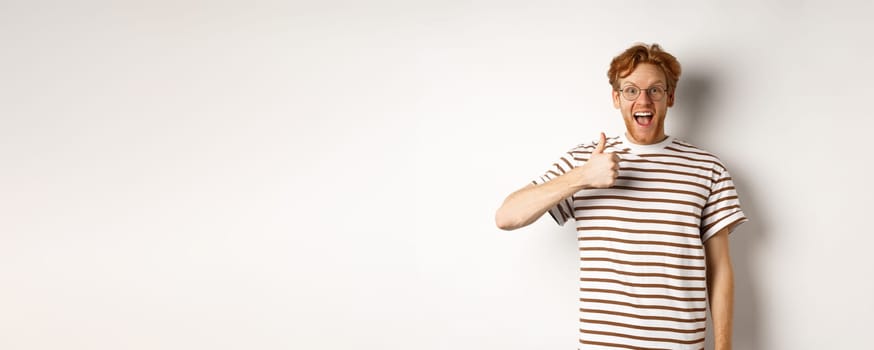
(631, 90)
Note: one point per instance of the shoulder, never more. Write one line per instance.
(685, 149)
(580, 153)
(590, 146)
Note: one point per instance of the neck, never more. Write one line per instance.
(658, 138)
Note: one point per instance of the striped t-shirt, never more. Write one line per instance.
(642, 267)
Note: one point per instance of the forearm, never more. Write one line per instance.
(721, 293)
(526, 205)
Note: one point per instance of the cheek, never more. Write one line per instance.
(625, 109)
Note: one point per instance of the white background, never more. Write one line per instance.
(324, 175)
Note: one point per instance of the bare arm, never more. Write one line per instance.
(527, 204)
(720, 286)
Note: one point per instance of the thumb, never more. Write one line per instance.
(601, 144)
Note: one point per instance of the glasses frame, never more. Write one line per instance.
(649, 93)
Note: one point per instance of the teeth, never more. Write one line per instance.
(643, 114)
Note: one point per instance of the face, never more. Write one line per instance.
(644, 118)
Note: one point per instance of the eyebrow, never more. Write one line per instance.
(626, 84)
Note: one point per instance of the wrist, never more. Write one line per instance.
(578, 180)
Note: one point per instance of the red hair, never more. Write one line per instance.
(627, 61)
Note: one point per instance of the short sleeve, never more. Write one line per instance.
(563, 210)
(722, 208)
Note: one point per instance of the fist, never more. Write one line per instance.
(602, 169)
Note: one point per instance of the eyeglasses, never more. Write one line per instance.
(656, 93)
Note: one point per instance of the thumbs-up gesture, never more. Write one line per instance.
(602, 169)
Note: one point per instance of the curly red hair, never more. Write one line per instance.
(627, 61)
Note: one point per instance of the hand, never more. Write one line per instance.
(602, 169)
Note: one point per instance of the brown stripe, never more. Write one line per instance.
(665, 163)
(587, 159)
(642, 210)
(722, 180)
(611, 144)
(570, 166)
(624, 346)
(719, 210)
(562, 219)
(554, 174)
(682, 157)
(643, 274)
(642, 317)
(563, 208)
(642, 263)
(707, 228)
(666, 171)
(679, 256)
(607, 228)
(722, 200)
(642, 285)
(643, 221)
(688, 151)
(553, 216)
(690, 183)
(729, 188)
(686, 144)
(644, 306)
(628, 241)
(654, 296)
(656, 329)
(611, 141)
(637, 199)
(668, 340)
(665, 190)
(591, 147)
(569, 205)
(559, 168)
(567, 210)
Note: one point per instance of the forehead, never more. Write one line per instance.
(644, 74)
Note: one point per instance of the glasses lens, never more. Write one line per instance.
(656, 93)
(630, 93)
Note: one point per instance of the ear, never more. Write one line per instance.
(616, 99)
(671, 99)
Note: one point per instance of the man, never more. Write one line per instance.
(653, 215)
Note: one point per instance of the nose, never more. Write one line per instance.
(644, 97)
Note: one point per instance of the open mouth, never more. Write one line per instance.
(643, 118)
